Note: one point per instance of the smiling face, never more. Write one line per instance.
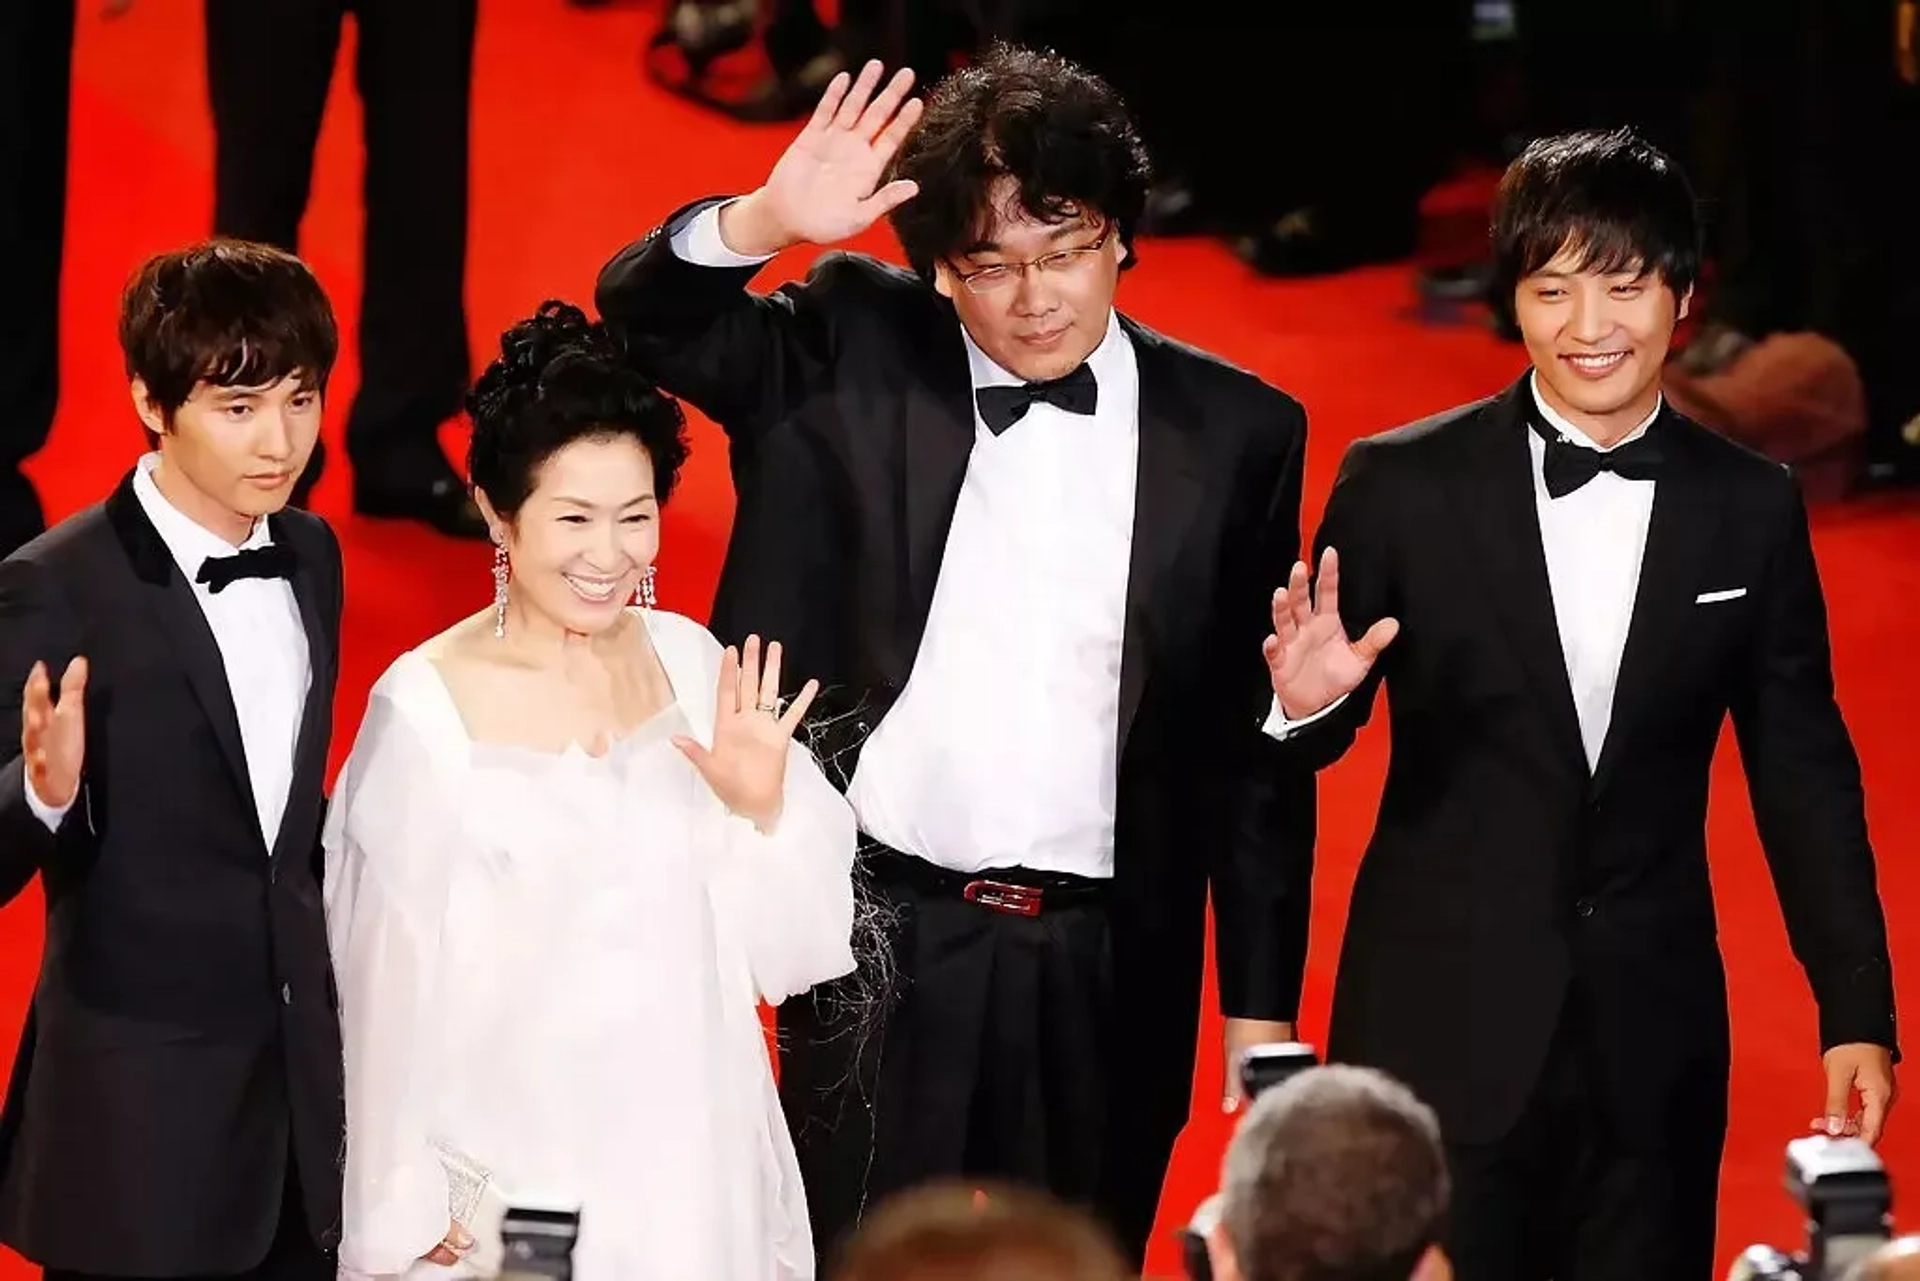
(581, 542)
(1598, 341)
(1036, 296)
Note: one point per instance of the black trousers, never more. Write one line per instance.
(983, 1056)
(269, 64)
(36, 69)
(1563, 1197)
(293, 1256)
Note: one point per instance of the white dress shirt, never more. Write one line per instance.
(1002, 750)
(263, 646)
(1594, 539)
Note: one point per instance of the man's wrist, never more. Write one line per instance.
(747, 230)
(47, 812)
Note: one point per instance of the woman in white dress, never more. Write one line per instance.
(574, 846)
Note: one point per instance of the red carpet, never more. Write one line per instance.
(575, 154)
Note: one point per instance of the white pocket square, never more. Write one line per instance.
(1713, 598)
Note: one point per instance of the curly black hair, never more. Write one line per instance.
(561, 378)
(1059, 131)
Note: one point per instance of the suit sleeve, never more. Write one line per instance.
(1804, 779)
(335, 617)
(743, 359)
(1261, 879)
(1356, 526)
(36, 625)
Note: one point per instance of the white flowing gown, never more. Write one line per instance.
(551, 966)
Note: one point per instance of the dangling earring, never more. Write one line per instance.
(643, 595)
(499, 589)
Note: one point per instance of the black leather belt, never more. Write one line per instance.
(1016, 891)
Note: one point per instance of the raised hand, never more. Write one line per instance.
(747, 765)
(53, 736)
(826, 186)
(1309, 657)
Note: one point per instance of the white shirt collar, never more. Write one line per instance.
(987, 373)
(1573, 434)
(190, 542)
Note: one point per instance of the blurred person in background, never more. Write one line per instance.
(954, 1232)
(36, 68)
(1337, 1174)
(269, 66)
(1355, 109)
(1813, 321)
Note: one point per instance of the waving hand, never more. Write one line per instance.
(826, 187)
(747, 765)
(1309, 657)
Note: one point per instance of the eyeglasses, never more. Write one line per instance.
(1063, 263)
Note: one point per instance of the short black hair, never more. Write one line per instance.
(229, 313)
(560, 378)
(1614, 199)
(1059, 131)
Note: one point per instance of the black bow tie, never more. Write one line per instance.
(1002, 407)
(1569, 466)
(272, 561)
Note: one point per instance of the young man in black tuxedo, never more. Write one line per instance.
(1018, 536)
(175, 1105)
(1566, 590)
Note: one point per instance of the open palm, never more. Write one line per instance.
(823, 189)
(1309, 657)
(747, 765)
(53, 735)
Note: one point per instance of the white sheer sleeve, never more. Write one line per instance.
(788, 896)
(388, 834)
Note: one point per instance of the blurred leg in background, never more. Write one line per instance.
(36, 67)
(269, 66)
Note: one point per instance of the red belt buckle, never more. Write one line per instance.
(1015, 900)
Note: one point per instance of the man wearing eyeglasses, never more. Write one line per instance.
(1027, 544)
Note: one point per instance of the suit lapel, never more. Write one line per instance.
(309, 760)
(1167, 494)
(1680, 533)
(1493, 493)
(169, 598)
(938, 430)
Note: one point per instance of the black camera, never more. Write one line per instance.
(1842, 1188)
(537, 1244)
(1261, 1068)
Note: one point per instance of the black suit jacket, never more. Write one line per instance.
(848, 404)
(183, 1035)
(1503, 874)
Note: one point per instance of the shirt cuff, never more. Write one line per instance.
(1280, 728)
(51, 815)
(698, 242)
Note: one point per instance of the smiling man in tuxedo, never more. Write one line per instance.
(1566, 590)
(175, 1107)
(1018, 536)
